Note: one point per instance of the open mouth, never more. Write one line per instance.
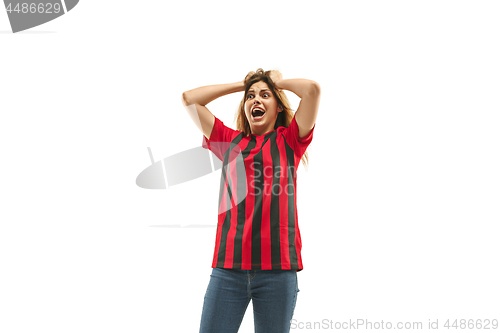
(258, 113)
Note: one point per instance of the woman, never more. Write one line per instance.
(257, 248)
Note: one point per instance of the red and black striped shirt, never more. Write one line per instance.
(257, 222)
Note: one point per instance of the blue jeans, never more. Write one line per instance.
(273, 294)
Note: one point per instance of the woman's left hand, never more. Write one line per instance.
(276, 77)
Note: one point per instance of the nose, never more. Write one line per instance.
(256, 100)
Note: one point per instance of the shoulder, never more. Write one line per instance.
(226, 131)
(292, 131)
(292, 138)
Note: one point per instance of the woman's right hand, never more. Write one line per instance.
(249, 75)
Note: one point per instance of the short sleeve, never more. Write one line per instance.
(219, 139)
(299, 145)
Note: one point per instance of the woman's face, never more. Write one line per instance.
(261, 108)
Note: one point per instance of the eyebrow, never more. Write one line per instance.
(265, 89)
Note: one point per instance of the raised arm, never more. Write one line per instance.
(195, 101)
(309, 93)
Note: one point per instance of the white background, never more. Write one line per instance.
(399, 209)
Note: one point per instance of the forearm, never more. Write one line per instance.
(206, 94)
(300, 87)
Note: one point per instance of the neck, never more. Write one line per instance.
(263, 131)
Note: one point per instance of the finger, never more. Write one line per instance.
(249, 75)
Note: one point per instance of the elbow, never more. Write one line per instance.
(185, 99)
(311, 90)
(314, 89)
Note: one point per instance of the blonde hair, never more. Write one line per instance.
(284, 117)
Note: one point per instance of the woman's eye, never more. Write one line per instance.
(249, 96)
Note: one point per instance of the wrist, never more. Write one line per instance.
(240, 86)
(278, 85)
